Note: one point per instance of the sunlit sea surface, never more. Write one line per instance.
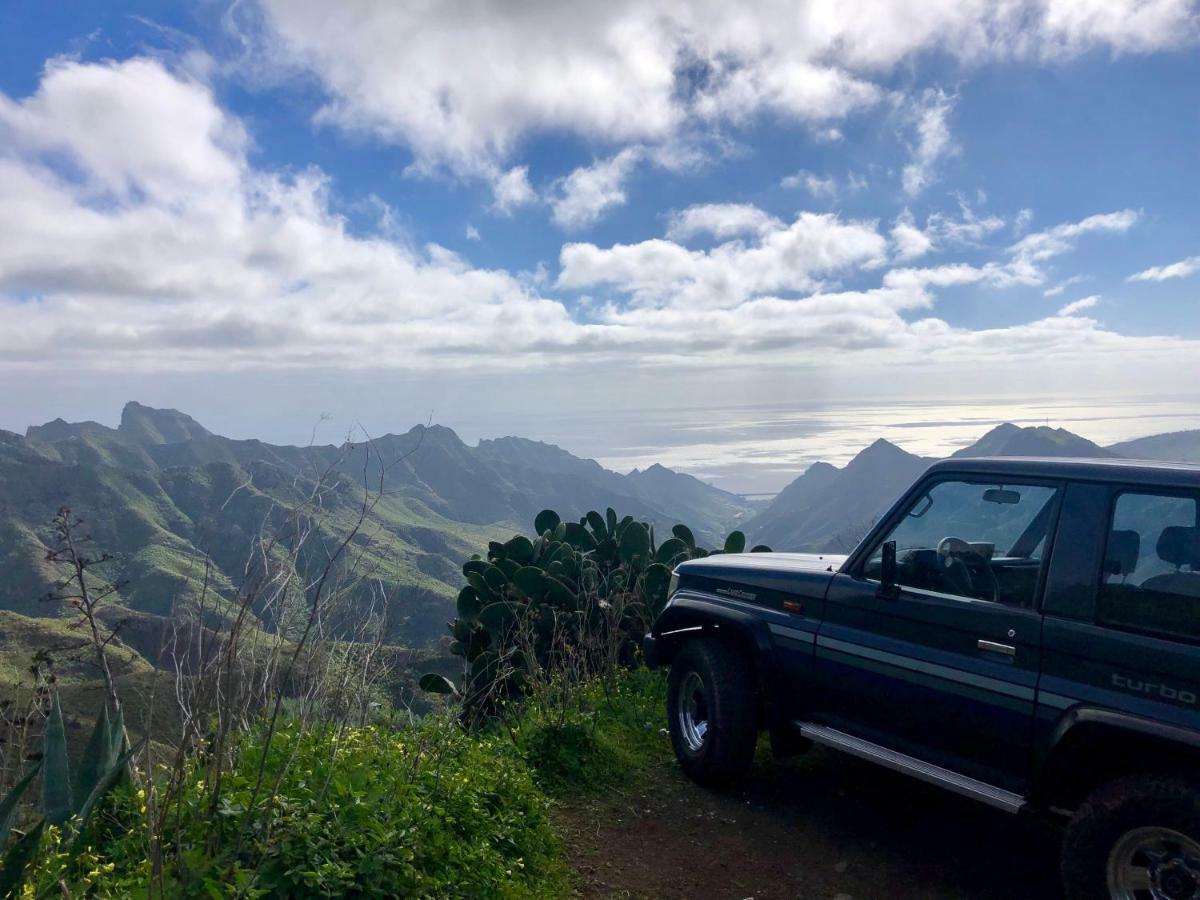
(759, 449)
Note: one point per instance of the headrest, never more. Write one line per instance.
(1179, 546)
(1121, 556)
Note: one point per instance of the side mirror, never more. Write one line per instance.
(887, 570)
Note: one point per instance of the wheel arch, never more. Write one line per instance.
(692, 616)
(1091, 747)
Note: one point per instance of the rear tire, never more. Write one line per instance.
(1132, 838)
(712, 711)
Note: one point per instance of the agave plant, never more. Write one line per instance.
(569, 571)
(68, 799)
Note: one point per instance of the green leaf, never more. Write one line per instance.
(434, 683)
(669, 549)
(476, 565)
(103, 786)
(559, 595)
(610, 516)
(495, 550)
(735, 543)
(598, 525)
(579, 537)
(635, 542)
(497, 617)
(16, 860)
(97, 757)
(546, 520)
(529, 582)
(9, 805)
(56, 778)
(519, 550)
(684, 534)
(468, 604)
(760, 548)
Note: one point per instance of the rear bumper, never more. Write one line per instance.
(651, 652)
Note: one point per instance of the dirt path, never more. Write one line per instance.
(823, 826)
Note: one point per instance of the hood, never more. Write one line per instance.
(789, 572)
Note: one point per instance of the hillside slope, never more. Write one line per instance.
(163, 494)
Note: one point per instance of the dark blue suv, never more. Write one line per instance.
(1025, 632)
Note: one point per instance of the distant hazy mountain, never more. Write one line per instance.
(1012, 440)
(161, 492)
(829, 509)
(1178, 446)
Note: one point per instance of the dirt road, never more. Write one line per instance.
(822, 826)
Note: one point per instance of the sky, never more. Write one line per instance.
(536, 217)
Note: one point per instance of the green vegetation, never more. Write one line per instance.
(422, 810)
(578, 597)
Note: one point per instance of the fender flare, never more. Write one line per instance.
(1170, 737)
(691, 614)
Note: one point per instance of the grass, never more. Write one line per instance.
(424, 810)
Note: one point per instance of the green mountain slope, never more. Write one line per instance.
(168, 498)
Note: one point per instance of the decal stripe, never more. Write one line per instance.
(793, 634)
(945, 672)
(1058, 701)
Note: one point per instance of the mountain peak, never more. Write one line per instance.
(1036, 440)
(148, 425)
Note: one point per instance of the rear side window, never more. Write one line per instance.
(1151, 574)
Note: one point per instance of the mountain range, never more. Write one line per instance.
(171, 501)
(167, 497)
(829, 509)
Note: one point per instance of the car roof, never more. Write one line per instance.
(1127, 471)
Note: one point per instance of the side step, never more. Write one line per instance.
(900, 762)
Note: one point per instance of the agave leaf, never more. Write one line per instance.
(103, 786)
(56, 779)
(97, 757)
(434, 683)
(16, 860)
(117, 734)
(8, 806)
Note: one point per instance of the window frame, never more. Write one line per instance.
(887, 525)
(1118, 491)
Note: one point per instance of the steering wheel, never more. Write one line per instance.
(952, 551)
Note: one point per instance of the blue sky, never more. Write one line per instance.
(261, 211)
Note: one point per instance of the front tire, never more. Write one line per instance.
(1135, 838)
(712, 711)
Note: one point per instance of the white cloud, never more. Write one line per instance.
(720, 220)
(588, 192)
(511, 190)
(967, 230)
(462, 84)
(472, 233)
(197, 259)
(931, 127)
(1057, 289)
(818, 186)
(911, 242)
(1038, 247)
(1080, 305)
(1181, 269)
(784, 258)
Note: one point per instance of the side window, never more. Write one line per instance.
(969, 539)
(1151, 577)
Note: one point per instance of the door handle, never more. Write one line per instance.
(993, 647)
